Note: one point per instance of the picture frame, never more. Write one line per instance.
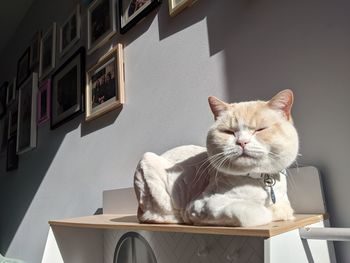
(69, 31)
(105, 84)
(67, 89)
(23, 68)
(12, 121)
(35, 50)
(26, 120)
(3, 95)
(176, 6)
(47, 52)
(101, 22)
(44, 100)
(12, 157)
(3, 133)
(132, 11)
(11, 92)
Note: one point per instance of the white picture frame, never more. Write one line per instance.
(70, 31)
(112, 91)
(26, 120)
(97, 11)
(47, 52)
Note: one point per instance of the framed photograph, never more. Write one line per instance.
(44, 99)
(23, 69)
(26, 122)
(47, 52)
(105, 84)
(12, 157)
(35, 50)
(11, 92)
(3, 91)
(176, 6)
(101, 23)
(132, 11)
(3, 133)
(67, 89)
(70, 31)
(12, 121)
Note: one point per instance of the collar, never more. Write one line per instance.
(263, 175)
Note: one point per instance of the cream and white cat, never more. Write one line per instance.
(237, 180)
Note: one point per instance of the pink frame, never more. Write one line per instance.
(45, 86)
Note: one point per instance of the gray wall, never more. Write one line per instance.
(236, 50)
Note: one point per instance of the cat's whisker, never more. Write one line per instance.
(225, 158)
(208, 163)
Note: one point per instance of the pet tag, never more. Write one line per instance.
(269, 181)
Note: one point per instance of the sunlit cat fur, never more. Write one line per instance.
(211, 186)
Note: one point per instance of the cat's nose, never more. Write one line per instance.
(242, 142)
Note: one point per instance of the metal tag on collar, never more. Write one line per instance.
(269, 181)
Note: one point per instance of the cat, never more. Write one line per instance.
(239, 179)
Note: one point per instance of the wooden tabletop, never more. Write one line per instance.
(129, 222)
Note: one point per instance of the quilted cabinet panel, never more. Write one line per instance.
(198, 248)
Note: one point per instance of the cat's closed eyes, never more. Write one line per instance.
(237, 180)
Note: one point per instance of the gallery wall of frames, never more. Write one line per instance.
(42, 94)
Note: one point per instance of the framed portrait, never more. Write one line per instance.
(47, 52)
(105, 84)
(11, 92)
(67, 89)
(12, 121)
(26, 120)
(3, 133)
(23, 69)
(3, 91)
(44, 99)
(132, 11)
(35, 50)
(176, 6)
(101, 23)
(70, 31)
(12, 157)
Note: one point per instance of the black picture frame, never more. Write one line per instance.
(35, 50)
(3, 95)
(23, 68)
(124, 7)
(72, 70)
(12, 157)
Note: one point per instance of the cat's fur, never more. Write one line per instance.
(222, 184)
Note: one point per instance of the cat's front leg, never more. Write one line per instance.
(222, 210)
(210, 211)
(282, 211)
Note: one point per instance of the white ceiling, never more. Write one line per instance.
(11, 15)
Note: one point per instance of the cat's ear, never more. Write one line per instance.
(283, 101)
(217, 106)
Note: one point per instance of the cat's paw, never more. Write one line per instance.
(282, 211)
(196, 212)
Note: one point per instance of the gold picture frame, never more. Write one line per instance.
(176, 6)
(105, 84)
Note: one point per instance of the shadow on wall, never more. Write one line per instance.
(17, 189)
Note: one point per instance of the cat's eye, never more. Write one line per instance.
(260, 129)
(227, 131)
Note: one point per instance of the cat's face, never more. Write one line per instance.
(252, 137)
